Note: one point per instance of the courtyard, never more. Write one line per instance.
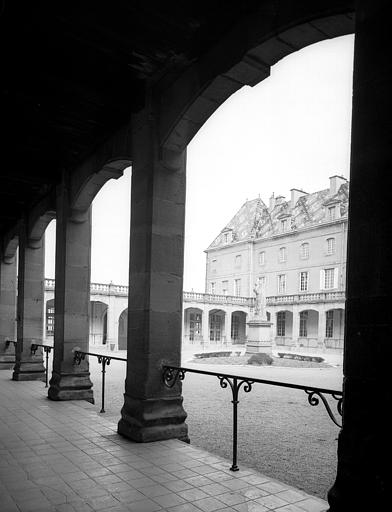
(279, 433)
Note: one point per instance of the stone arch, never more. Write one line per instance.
(193, 325)
(40, 217)
(284, 327)
(98, 323)
(238, 327)
(334, 328)
(87, 184)
(123, 330)
(244, 57)
(217, 325)
(10, 248)
(308, 329)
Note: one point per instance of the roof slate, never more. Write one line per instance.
(254, 220)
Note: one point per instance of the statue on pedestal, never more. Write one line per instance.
(260, 302)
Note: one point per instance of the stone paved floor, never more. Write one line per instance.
(64, 457)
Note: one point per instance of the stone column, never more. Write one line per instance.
(112, 320)
(322, 319)
(206, 326)
(7, 312)
(71, 300)
(228, 319)
(30, 307)
(152, 411)
(295, 329)
(363, 479)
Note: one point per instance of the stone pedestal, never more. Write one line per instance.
(30, 308)
(7, 312)
(151, 411)
(72, 298)
(259, 336)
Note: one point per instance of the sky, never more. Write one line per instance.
(290, 131)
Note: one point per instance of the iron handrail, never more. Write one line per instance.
(104, 360)
(173, 373)
(47, 350)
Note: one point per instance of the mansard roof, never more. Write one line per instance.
(254, 220)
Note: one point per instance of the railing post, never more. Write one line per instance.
(234, 466)
(103, 360)
(47, 350)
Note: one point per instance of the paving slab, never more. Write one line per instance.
(66, 457)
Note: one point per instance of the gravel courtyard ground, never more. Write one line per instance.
(280, 434)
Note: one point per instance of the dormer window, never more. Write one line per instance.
(283, 225)
(226, 238)
(332, 212)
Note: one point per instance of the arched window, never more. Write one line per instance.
(331, 246)
(304, 251)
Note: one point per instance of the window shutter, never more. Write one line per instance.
(322, 279)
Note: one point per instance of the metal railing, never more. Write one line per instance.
(47, 350)
(171, 374)
(104, 360)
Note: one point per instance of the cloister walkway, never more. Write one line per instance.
(64, 457)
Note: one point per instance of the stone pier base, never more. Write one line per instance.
(153, 419)
(71, 386)
(29, 370)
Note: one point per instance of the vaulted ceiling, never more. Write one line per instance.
(74, 72)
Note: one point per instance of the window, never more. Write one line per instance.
(238, 261)
(282, 283)
(304, 251)
(235, 328)
(331, 246)
(261, 281)
(282, 254)
(237, 287)
(225, 287)
(262, 258)
(226, 238)
(281, 323)
(283, 225)
(303, 281)
(332, 213)
(194, 326)
(212, 288)
(50, 319)
(328, 278)
(215, 327)
(303, 324)
(213, 266)
(329, 324)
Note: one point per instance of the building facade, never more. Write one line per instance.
(295, 251)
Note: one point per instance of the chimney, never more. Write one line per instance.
(335, 182)
(279, 200)
(296, 193)
(272, 202)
